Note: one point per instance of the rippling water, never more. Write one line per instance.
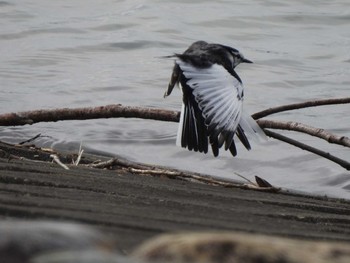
(86, 53)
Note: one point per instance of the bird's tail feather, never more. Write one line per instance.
(252, 129)
(180, 127)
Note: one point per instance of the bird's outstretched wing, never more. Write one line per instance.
(219, 97)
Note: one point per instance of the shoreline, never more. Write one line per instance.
(134, 207)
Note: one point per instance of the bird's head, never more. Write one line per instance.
(236, 57)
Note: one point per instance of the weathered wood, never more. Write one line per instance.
(313, 131)
(88, 113)
(326, 155)
(301, 105)
(135, 207)
(118, 110)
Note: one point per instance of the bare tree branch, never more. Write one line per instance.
(296, 126)
(306, 104)
(308, 148)
(116, 111)
(109, 111)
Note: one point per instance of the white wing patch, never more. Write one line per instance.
(251, 128)
(219, 95)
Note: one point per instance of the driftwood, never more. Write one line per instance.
(158, 171)
(296, 126)
(109, 111)
(302, 105)
(117, 111)
(308, 148)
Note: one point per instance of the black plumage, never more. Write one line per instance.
(212, 97)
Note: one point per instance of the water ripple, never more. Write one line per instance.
(47, 31)
(69, 54)
(4, 3)
(113, 27)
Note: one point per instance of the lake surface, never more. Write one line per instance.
(88, 53)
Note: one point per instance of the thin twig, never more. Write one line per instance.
(249, 181)
(297, 126)
(103, 164)
(294, 106)
(186, 176)
(80, 153)
(143, 169)
(31, 139)
(308, 148)
(58, 161)
(119, 162)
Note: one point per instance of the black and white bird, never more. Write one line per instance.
(212, 108)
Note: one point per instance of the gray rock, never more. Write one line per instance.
(21, 240)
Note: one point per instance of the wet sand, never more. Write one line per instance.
(133, 208)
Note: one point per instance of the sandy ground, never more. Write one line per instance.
(133, 208)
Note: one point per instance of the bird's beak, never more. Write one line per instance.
(246, 61)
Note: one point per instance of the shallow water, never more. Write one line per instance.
(86, 53)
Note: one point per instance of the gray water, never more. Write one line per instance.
(75, 53)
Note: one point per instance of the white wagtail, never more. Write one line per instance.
(212, 98)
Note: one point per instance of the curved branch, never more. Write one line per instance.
(308, 148)
(301, 105)
(295, 126)
(109, 111)
(115, 111)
